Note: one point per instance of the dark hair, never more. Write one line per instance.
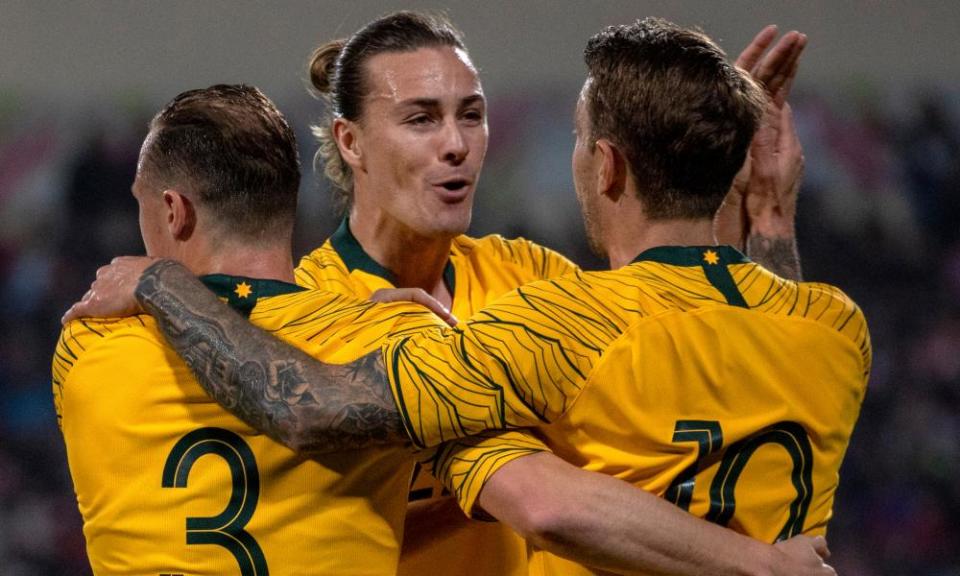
(679, 111)
(232, 148)
(338, 76)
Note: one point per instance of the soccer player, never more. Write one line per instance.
(170, 483)
(403, 141)
(678, 362)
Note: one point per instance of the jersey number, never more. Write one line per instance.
(226, 528)
(709, 437)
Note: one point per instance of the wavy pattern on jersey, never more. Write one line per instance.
(542, 262)
(466, 464)
(822, 303)
(324, 269)
(561, 327)
(319, 316)
(75, 338)
(524, 360)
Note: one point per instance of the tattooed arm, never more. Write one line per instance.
(301, 402)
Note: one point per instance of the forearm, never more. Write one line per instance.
(307, 405)
(603, 522)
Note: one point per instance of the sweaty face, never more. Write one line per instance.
(583, 165)
(422, 138)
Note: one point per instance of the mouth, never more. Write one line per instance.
(454, 189)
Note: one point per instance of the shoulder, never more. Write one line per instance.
(823, 305)
(830, 306)
(322, 268)
(79, 337)
(537, 261)
(322, 316)
(102, 343)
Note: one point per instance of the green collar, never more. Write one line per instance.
(354, 256)
(712, 259)
(692, 255)
(241, 293)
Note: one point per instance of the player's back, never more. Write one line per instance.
(170, 483)
(729, 391)
(692, 373)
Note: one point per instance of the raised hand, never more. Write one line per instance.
(759, 212)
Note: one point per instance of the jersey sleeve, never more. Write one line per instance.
(519, 362)
(465, 465)
(340, 328)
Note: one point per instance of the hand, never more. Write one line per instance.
(803, 556)
(112, 293)
(762, 199)
(777, 69)
(418, 296)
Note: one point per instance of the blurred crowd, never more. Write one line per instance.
(879, 217)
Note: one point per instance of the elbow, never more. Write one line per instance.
(305, 442)
(308, 443)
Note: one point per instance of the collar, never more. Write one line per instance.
(692, 255)
(241, 292)
(353, 255)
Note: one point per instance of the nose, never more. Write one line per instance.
(455, 147)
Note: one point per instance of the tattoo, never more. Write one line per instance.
(301, 402)
(777, 254)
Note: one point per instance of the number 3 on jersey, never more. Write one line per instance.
(226, 529)
(709, 436)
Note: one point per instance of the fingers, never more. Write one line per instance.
(752, 53)
(112, 292)
(819, 544)
(71, 314)
(773, 71)
(782, 93)
(787, 139)
(418, 296)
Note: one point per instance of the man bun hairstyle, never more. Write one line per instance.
(338, 76)
(233, 152)
(681, 113)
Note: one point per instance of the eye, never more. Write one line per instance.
(419, 119)
(473, 115)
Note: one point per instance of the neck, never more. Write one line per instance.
(239, 258)
(624, 242)
(416, 261)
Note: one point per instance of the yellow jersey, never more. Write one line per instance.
(692, 373)
(478, 271)
(168, 482)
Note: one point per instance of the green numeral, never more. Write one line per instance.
(709, 437)
(226, 529)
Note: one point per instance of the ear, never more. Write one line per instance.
(181, 214)
(346, 134)
(612, 172)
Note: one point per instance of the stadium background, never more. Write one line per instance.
(877, 109)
